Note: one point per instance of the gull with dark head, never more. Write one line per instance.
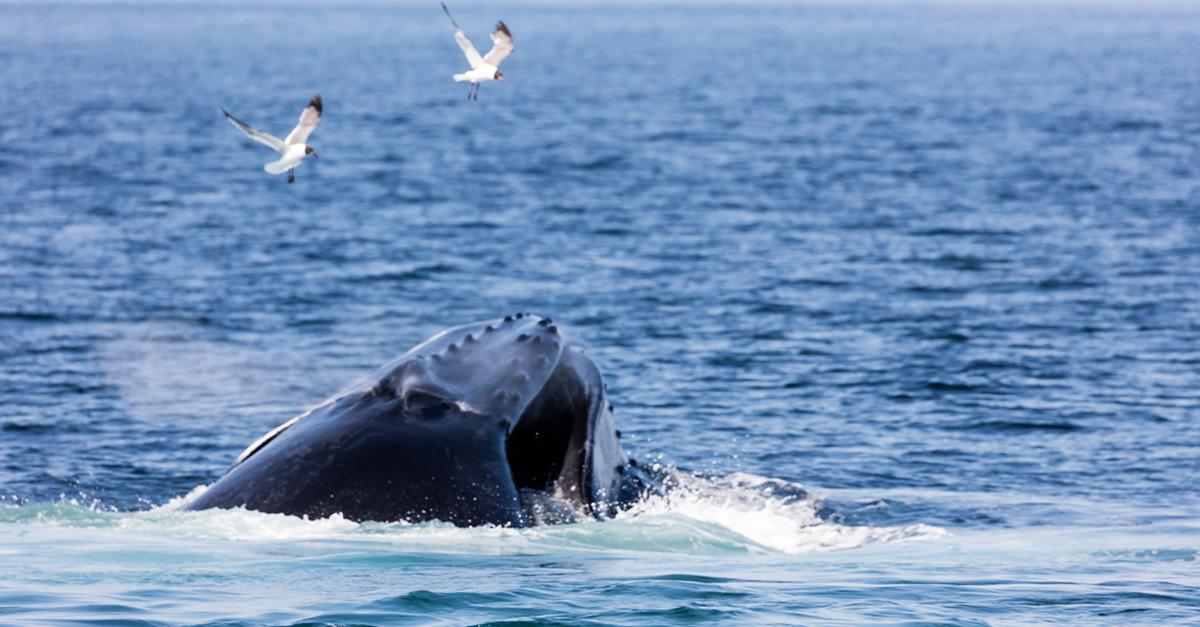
(483, 68)
(293, 147)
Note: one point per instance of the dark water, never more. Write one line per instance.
(908, 294)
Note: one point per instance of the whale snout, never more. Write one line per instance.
(495, 367)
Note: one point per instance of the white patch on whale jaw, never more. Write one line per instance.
(261, 442)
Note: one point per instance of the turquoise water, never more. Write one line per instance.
(903, 297)
(719, 557)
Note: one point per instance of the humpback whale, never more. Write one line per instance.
(497, 422)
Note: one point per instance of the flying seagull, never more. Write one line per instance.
(485, 68)
(291, 147)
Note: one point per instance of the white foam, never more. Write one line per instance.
(236, 524)
(750, 506)
(736, 514)
(180, 502)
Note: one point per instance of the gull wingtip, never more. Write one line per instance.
(447, 11)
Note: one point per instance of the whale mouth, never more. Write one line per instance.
(545, 448)
(565, 448)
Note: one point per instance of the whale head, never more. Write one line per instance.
(476, 425)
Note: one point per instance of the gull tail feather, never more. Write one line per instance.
(278, 167)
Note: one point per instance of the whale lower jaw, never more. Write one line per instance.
(564, 444)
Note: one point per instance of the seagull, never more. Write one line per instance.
(291, 147)
(485, 68)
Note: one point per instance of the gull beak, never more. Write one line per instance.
(315, 155)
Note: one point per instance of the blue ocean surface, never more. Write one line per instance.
(904, 295)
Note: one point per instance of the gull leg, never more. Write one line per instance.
(291, 176)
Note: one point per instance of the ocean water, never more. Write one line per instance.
(905, 296)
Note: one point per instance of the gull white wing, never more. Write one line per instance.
(310, 117)
(502, 45)
(468, 48)
(266, 139)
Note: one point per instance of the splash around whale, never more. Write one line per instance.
(497, 422)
